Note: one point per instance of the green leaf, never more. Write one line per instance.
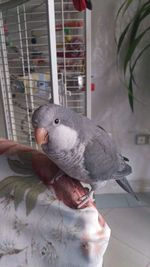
(132, 48)
(9, 180)
(128, 3)
(6, 191)
(132, 79)
(20, 190)
(19, 167)
(139, 56)
(17, 185)
(133, 42)
(130, 94)
(133, 28)
(120, 9)
(145, 10)
(26, 158)
(8, 184)
(122, 36)
(123, 8)
(32, 195)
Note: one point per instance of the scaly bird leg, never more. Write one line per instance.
(84, 199)
(58, 175)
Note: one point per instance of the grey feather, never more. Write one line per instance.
(108, 167)
(94, 157)
(100, 160)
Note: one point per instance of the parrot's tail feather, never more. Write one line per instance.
(127, 187)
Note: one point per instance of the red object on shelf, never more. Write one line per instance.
(71, 54)
(5, 29)
(74, 49)
(92, 87)
(72, 24)
(79, 5)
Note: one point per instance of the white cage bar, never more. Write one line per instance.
(44, 56)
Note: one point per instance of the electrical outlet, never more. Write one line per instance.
(142, 139)
(148, 139)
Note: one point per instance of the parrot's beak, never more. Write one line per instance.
(41, 136)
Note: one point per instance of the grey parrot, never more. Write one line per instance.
(80, 148)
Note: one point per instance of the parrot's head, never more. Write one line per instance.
(56, 127)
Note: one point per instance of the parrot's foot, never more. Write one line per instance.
(58, 175)
(86, 198)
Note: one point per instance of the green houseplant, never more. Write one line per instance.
(129, 39)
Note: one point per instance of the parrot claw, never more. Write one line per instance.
(84, 199)
(57, 176)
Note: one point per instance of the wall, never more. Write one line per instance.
(110, 106)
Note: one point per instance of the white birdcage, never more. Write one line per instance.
(44, 56)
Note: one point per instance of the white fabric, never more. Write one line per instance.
(52, 234)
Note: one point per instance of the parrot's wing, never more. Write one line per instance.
(101, 159)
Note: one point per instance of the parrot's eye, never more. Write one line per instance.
(56, 121)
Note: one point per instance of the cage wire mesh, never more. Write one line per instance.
(25, 62)
(71, 53)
